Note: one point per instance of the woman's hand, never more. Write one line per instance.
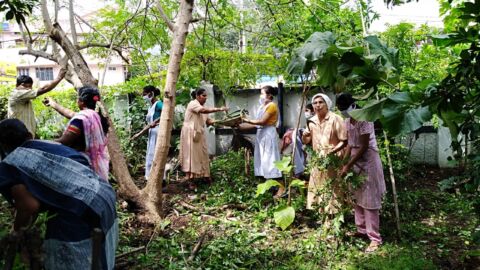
(345, 170)
(49, 102)
(306, 135)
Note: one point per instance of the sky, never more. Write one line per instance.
(421, 12)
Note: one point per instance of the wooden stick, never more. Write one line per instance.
(145, 129)
(97, 236)
(197, 247)
(294, 137)
(130, 252)
(188, 206)
(11, 252)
(394, 188)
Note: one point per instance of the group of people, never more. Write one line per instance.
(328, 134)
(67, 177)
(355, 142)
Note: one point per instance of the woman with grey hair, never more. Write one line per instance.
(327, 134)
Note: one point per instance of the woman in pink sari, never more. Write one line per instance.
(365, 160)
(86, 131)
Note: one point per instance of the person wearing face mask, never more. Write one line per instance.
(363, 158)
(327, 135)
(309, 113)
(288, 145)
(155, 107)
(193, 154)
(266, 139)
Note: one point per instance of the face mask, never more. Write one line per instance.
(261, 100)
(346, 113)
(147, 99)
(308, 115)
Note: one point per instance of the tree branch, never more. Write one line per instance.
(91, 26)
(194, 20)
(100, 45)
(42, 54)
(73, 29)
(165, 18)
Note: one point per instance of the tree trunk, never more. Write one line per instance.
(127, 187)
(79, 72)
(154, 185)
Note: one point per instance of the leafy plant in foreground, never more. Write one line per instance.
(284, 213)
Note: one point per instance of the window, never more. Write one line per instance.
(23, 71)
(44, 74)
(19, 43)
(126, 74)
(112, 68)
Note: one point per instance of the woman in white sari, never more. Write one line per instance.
(150, 94)
(266, 140)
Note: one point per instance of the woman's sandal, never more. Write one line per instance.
(372, 247)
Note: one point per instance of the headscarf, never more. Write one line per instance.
(325, 98)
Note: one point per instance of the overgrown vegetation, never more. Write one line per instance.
(418, 73)
(238, 230)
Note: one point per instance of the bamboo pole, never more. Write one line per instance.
(294, 139)
(394, 188)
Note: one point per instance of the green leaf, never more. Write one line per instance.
(371, 112)
(284, 164)
(317, 45)
(264, 187)
(389, 55)
(327, 70)
(372, 91)
(444, 40)
(314, 49)
(402, 120)
(284, 216)
(297, 183)
(348, 61)
(400, 97)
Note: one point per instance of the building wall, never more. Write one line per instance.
(11, 43)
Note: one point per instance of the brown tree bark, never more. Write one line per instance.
(79, 68)
(150, 198)
(180, 32)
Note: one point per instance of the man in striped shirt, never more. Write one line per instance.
(20, 100)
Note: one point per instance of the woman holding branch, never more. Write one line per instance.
(266, 139)
(87, 129)
(193, 154)
(364, 159)
(326, 132)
